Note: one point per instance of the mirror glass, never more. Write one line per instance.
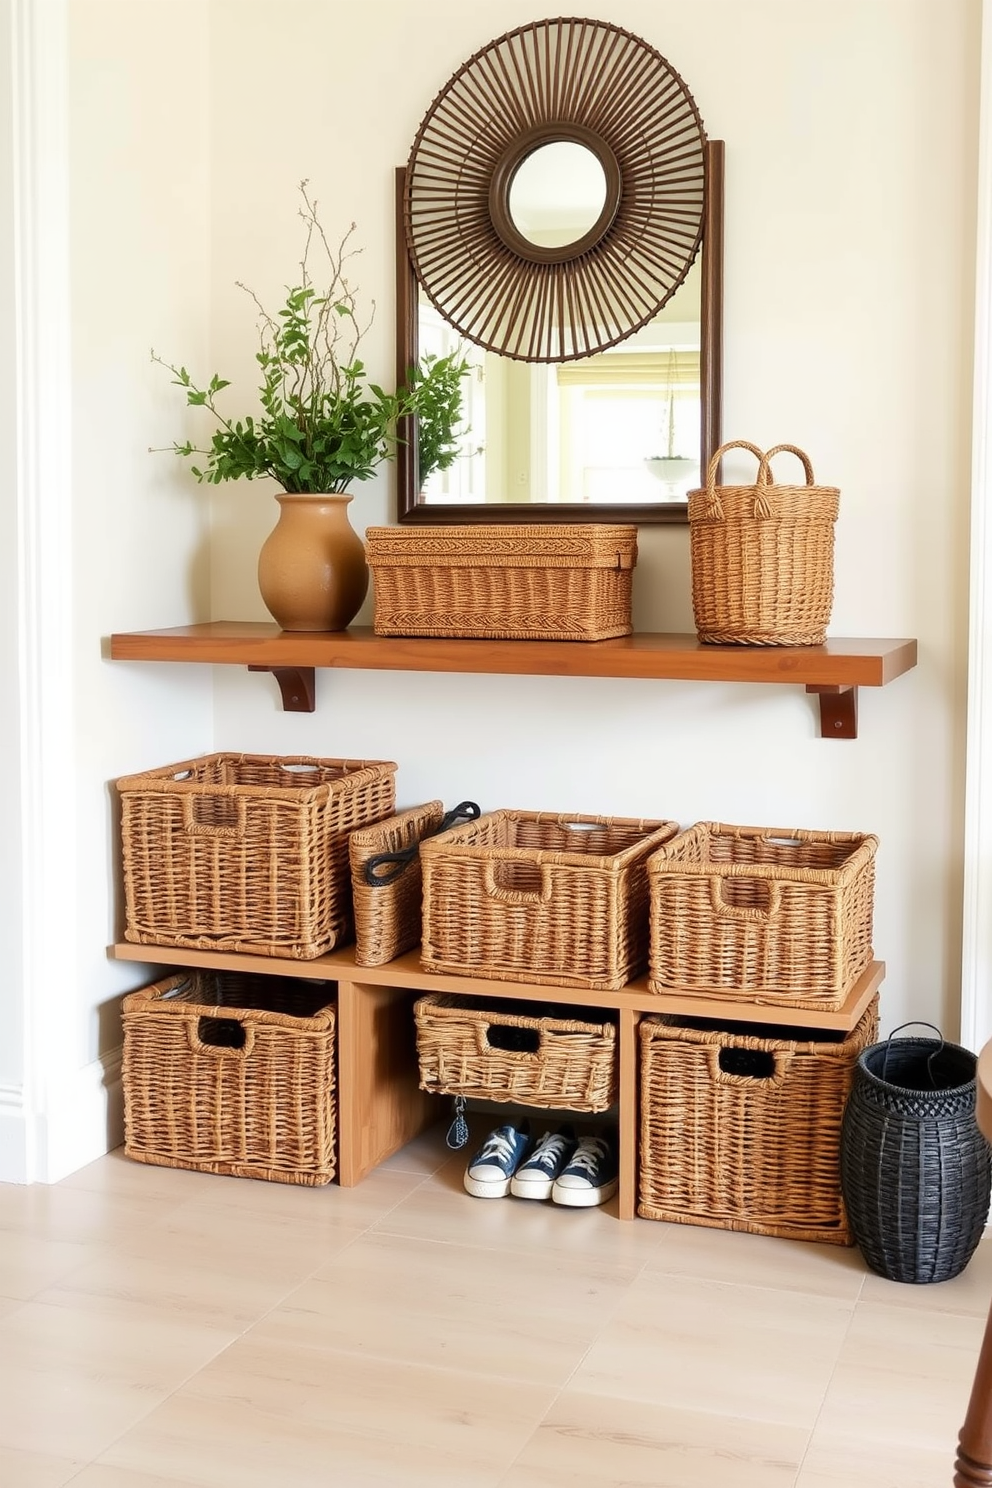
(557, 194)
(622, 428)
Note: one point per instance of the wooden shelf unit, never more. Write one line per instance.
(380, 1104)
(833, 672)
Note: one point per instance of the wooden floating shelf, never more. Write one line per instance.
(405, 972)
(833, 671)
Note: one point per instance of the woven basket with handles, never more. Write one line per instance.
(762, 556)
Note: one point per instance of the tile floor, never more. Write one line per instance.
(160, 1329)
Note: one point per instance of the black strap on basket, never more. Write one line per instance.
(934, 1054)
(394, 863)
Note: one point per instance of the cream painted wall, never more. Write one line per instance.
(850, 129)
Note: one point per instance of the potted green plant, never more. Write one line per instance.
(322, 426)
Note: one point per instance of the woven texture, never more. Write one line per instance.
(762, 556)
(231, 1073)
(387, 915)
(243, 852)
(470, 1048)
(778, 915)
(914, 1165)
(531, 896)
(533, 582)
(740, 1128)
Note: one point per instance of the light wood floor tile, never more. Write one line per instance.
(734, 1350)
(72, 1379)
(875, 1465)
(969, 1292)
(425, 1155)
(82, 1216)
(440, 1209)
(903, 1375)
(266, 1416)
(29, 1262)
(101, 1475)
(588, 1441)
(453, 1306)
(759, 1260)
(35, 1470)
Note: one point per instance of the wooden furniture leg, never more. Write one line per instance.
(973, 1468)
(380, 1104)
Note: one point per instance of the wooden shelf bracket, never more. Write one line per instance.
(296, 684)
(838, 711)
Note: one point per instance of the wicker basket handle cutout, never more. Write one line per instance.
(197, 828)
(728, 1065)
(218, 1050)
(714, 506)
(504, 895)
(745, 911)
(515, 1056)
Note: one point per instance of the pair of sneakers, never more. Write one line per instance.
(577, 1172)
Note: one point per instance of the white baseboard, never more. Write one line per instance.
(84, 1120)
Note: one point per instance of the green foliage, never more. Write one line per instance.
(323, 425)
(437, 387)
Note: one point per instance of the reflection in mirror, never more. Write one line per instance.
(557, 194)
(622, 428)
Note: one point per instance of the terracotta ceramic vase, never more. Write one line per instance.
(312, 572)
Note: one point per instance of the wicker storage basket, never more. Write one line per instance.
(773, 915)
(515, 1052)
(532, 582)
(536, 897)
(914, 1165)
(387, 912)
(762, 556)
(242, 852)
(740, 1128)
(232, 1073)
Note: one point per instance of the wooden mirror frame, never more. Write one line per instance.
(410, 509)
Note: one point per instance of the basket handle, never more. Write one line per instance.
(213, 829)
(780, 1059)
(387, 867)
(516, 896)
(516, 1056)
(220, 1051)
(914, 1023)
(745, 911)
(714, 506)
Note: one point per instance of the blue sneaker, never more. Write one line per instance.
(489, 1173)
(535, 1176)
(591, 1176)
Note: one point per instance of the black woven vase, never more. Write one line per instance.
(915, 1169)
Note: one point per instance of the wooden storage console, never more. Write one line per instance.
(380, 1105)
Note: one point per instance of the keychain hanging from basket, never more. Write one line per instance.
(762, 556)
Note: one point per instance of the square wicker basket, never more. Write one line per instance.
(232, 1073)
(740, 1127)
(387, 912)
(529, 582)
(515, 1051)
(537, 897)
(775, 915)
(242, 852)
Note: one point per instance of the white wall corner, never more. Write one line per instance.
(44, 571)
(976, 960)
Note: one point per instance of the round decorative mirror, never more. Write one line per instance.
(596, 107)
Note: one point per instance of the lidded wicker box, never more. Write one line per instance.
(740, 1126)
(524, 582)
(516, 1051)
(242, 852)
(774, 915)
(232, 1073)
(539, 897)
